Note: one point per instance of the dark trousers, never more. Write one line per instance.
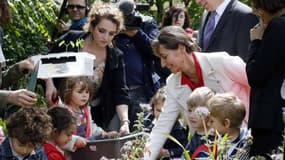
(138, 96)
(265, 142)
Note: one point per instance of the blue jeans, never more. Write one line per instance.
(140, 95)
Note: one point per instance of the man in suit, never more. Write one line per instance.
(232, 23)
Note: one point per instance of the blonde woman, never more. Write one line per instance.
(111, 98)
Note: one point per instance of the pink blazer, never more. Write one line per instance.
(221, 72)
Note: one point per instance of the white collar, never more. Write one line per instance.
(222, 7)
(20, 157)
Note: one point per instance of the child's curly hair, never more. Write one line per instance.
(29, 125)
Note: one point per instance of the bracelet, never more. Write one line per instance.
(125, 120)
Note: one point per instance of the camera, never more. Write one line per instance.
(133, 19)
(142, 6)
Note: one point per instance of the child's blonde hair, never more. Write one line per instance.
(227, 106)
(199, 97)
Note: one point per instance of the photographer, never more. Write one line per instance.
(135, 42)
(77, 11)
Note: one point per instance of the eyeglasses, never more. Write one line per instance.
(77, 6)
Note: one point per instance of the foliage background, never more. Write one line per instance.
(30, 30)
(34, 21)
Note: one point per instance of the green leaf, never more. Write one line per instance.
(185, 152)
(72, 44)
(61, 43)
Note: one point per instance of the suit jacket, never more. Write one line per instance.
(221, 73)
(266, 72)
(232, 31)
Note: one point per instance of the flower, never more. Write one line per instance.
(202, 111)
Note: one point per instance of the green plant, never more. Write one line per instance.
(134, 149)
(185, 152)
(218, 149)
(39, 90)
(41, 101)
(30, 30)
(3, 125)
(78, 43)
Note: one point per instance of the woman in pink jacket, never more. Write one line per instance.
(190, 69)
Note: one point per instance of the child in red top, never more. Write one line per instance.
(64, 125)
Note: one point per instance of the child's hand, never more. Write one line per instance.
(80, 142)
(164, 153)
(110, 134)
(113, 134)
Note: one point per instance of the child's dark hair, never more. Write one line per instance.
(160, 95)
(29, 125)
(68, 84)
(61, 118)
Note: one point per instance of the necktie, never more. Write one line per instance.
(209, 29)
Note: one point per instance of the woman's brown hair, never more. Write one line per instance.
(5, 13)
(171, 36)
(270, 6)
(174, 11)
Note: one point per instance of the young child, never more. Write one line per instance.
(64, 125)
(75, 92)
(170, 149)
(27, 129)
(226, 116)
(198, 116)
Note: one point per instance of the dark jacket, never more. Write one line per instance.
(6, 152)
(266, 72)
(113, 90)
(178, 132)
(232, 31)
(141, 42)
(197, 146)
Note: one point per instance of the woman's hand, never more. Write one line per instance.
(22, 97)
(124, 129)
(257, 31)
(51, 92)
(26, 65)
